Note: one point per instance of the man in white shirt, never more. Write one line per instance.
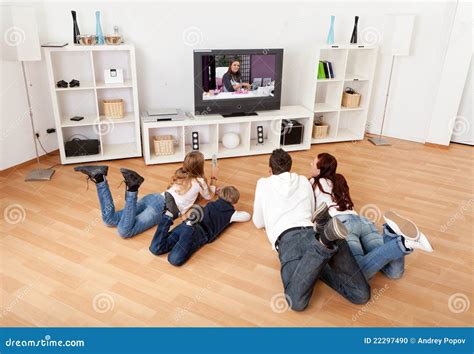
(284, 205)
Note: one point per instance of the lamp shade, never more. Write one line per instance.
(20, 40)
(398, 34)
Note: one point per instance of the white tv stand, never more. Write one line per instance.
(211, 128)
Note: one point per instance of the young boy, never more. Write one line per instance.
(201, 227)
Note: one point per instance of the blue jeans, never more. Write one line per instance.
(304, 260)
(181, 242)
(135, 217)
(373, 251)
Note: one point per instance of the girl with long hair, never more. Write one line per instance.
(372, 250)
(140, 215)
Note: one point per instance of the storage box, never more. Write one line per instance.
(113, 108)
(350, 98)
(320, 130)
(291, 132)
(163, 145)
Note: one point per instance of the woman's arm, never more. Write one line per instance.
(207, 192)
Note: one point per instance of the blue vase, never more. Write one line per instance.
(98, 29)
(330, 39)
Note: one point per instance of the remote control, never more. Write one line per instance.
(214, 161)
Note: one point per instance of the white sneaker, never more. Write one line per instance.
(421, 244)
(402, 226)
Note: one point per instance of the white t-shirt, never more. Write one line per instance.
(282, 202)
(186, 200)
(326, 198)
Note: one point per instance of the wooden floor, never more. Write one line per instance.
(60, 266)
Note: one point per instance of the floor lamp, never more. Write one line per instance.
(21, 43)
(397, 40)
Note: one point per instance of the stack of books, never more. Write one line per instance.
(325, 70)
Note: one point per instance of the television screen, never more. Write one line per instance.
(237, 81)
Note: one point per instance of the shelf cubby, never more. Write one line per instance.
(328, 96)
(352, 123)
(331, 120)
(124, 93)
(207, 139)
(360, 64)
(271, 136)
(69, 65)
(179, 148)
(361, 87)
(116, 59)
(77, 103)
(243, 130)
(338, 59)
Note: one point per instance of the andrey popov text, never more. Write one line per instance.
(439, 341)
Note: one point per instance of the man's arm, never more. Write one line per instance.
(240, 216)
(257, 218)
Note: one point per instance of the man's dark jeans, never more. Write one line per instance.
(304, 259)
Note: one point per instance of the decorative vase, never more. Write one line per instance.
(330, 39)
(354, 31)
(75, 28)
(98, 29)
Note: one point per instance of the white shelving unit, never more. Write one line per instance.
(119, 138)
(211, 128)
(354, 67)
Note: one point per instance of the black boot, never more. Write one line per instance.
(321, 217)
(132, 179)
(171, 209)
(334, 231)
(95, 173)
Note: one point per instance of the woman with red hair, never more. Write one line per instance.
(373, 251)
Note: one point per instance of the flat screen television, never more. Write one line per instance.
(236, 82)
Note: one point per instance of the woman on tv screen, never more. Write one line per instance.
(232, 79)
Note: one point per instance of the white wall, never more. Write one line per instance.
(164, 57)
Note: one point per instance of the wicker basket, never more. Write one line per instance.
(113, 108)
(164, 145)
(320, 130)
(350, 99)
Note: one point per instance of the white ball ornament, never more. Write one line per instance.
(230, 140)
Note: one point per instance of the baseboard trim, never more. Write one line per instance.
(9, 170)
(438, 146)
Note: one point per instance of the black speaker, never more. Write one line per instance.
(195, 140)
(291, 132)
(260, 138)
